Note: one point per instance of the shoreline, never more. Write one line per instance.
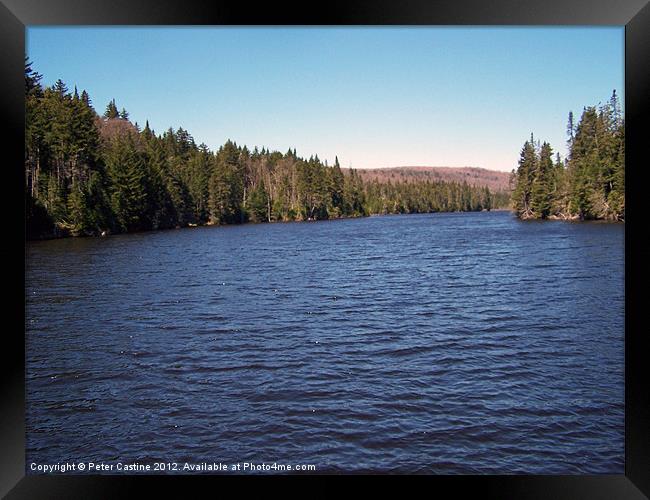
(198, 225)
(574, 219)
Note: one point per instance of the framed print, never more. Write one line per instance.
(373, 240)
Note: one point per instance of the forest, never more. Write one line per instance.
(87, 174)
(589, 184)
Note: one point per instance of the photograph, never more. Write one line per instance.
(270, 250)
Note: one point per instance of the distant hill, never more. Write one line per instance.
(493, 179)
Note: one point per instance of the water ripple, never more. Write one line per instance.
(444, 343)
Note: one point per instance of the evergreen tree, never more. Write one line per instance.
(487, 199)
(32, 81)
(258, 204)
(524, 180)
(200, 167)
(84, 175)
(85, 98)
(583, 164)
(61, 89)
(590, 184)
(111, 111)
(542, 185)
(128, 193)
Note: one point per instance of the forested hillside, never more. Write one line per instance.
(87, 174)
(589, 184)
(497, 182)
(474, 176)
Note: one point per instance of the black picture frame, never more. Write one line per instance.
(15, 15)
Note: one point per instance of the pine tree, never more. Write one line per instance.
(61, 89)
(200, 167)
(616, 198)
(542, 183)
(590, 183)
(559, 192)
(84, 176)
(523, 180)
(32, 81)
(257, 204)
(583, 165)
(226, 187)
(126, 170)
(147, 133)
(111, 111)
(77, 219)
(487, 199)
(86, 99)
(337, 187)
(570, 129)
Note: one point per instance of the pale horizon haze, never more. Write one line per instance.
(373, 96)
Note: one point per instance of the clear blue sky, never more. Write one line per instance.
(376, 97)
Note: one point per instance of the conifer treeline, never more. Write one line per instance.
(589, 184)
(86, 175)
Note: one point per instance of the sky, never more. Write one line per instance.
(374, 96)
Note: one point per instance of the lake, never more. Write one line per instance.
(439, 343)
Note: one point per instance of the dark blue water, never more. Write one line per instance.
(442, 343)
